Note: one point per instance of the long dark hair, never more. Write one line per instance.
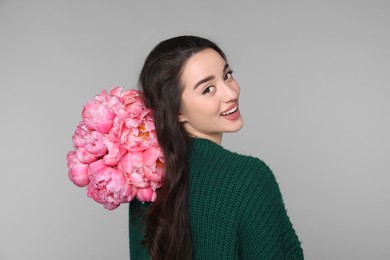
(167, 233)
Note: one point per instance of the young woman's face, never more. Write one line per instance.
(209, 102)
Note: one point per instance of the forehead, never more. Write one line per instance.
(201, 65)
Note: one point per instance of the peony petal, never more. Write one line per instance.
(94, 193)
(152, 175)
(78, 174)
(110, 205)
(96, 166)
(114, 154)
(126, 163)
(72, 159)
(131, 162)
(116, 91)
(84, 156)
(137, 180)
(146, 195)
(150, 156)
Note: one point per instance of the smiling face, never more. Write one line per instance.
(209, 101)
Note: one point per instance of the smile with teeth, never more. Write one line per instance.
(231, 111)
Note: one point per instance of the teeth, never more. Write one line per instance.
(230, 111)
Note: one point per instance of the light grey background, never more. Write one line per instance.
(315, 99)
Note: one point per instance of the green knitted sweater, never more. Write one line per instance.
(236, 210)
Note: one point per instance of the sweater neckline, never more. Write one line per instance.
(202, 145)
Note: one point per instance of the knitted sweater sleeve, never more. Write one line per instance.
(266, 231)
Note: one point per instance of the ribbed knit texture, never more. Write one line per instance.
(236, 210)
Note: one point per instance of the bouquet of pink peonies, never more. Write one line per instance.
(116, 153)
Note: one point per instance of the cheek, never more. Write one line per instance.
(190, 108)
(203, 111)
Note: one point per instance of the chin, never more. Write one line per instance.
(236, 128)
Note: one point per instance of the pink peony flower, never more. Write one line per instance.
(92, 141)
(116, 152)
(99, 113)
(109, 187)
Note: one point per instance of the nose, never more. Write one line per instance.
(230, 92)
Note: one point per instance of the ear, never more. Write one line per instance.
(182, 118)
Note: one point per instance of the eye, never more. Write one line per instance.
(228, 75)
(208, 90)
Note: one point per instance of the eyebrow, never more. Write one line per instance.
(200, 82)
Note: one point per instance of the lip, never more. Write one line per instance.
(230, 107)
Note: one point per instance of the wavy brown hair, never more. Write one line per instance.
(167, 233)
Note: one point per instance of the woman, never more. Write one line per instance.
(214, 204)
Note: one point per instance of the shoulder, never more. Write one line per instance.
(243, 170)
(254, 175)
(254, 179)
(251, 168)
